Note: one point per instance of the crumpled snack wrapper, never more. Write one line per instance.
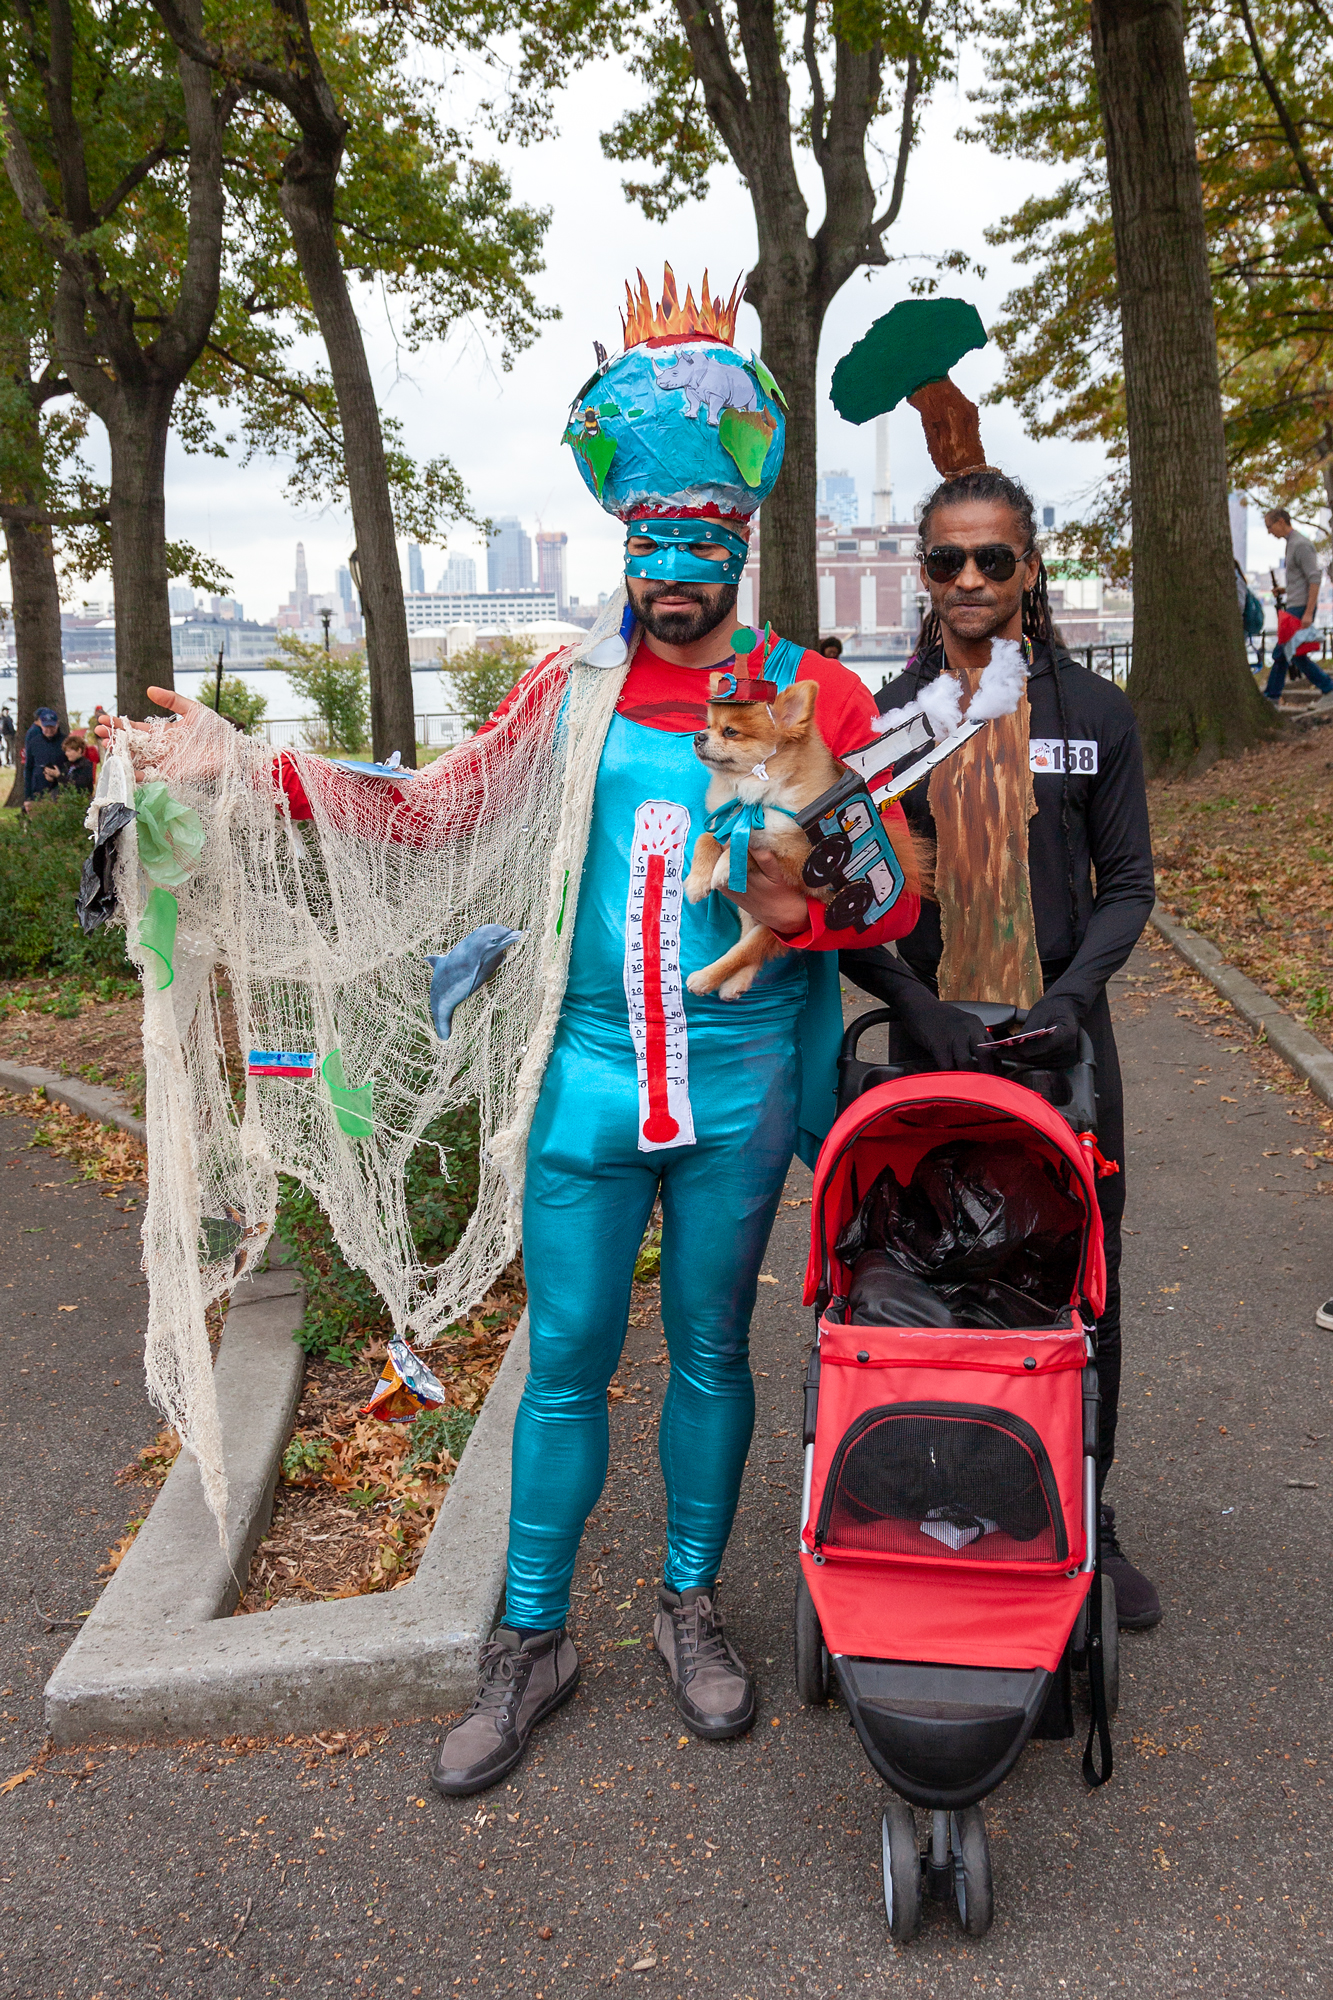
(406, 1387)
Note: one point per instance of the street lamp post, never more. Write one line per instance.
(327, 617)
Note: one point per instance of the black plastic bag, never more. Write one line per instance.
(884, 1294)
(973, 1213)
(97, 894)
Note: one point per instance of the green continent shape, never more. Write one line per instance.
(766, 381)
(599, 452)
(352, 1108)
(745, 435)
(918, 342)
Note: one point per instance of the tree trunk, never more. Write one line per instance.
(138, 428)
(36, 595)
(1191, 686)
(307, 202)
(788, 577)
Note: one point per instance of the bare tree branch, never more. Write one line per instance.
(817, 100)
(906, 140)
(1293, 138)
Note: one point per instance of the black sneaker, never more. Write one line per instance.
(521, 1681)
(714, 1689)
(1137, 1606)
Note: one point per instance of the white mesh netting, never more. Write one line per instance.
(320, 931)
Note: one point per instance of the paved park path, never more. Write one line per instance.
(747, 1869)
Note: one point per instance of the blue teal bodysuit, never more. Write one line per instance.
(653, 1090)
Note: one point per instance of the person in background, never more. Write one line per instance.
(88, 738)
(1302, 565)
(43, 757)
(7, 735)
(78, 770)
(831, 648)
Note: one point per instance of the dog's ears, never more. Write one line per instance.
(794, 709)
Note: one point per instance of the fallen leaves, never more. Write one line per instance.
(19, 1778)
(1243, 856)
(100, 1152)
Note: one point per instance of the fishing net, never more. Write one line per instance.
(319, 929)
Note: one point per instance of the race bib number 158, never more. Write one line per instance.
(1047, 754)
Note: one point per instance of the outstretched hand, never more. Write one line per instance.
(191, 757)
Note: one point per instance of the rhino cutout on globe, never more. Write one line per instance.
(717, 412)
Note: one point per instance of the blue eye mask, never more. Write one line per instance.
(673, 559)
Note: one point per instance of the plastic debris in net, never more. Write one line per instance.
(171, 835)
(157, 933)
(351, 1104)
(97, 888)
(994, 1232)
(405, 1388)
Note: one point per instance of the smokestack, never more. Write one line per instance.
(882, 509)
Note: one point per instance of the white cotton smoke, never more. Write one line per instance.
(1002, 682)
(940, 701)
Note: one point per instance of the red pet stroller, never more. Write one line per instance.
(948, 1542)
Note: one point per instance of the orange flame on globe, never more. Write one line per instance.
(712, 319)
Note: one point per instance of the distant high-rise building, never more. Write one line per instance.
(551, 546)
(342, 583)
(302, 580)
(460, 574)
(180, 598)
(837, 497)
(1048, 517)
(509, 556)
(416, 575)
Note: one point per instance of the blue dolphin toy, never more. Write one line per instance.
(473, 960)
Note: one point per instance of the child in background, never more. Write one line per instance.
(78, 769)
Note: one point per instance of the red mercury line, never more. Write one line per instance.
(659, 1125)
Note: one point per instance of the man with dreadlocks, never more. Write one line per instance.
(1022, 818)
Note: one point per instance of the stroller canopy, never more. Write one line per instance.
(896, 1124)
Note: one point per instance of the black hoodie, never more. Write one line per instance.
(1094, 821)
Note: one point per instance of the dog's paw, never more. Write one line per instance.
(697, 888)
(739, 983)
(701, 981)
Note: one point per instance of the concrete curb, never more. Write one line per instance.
(160, 1657)
(1299, 1049)
(90, 1100)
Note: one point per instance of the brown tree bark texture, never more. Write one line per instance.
(788, 579)
(981, 800)
(307, 202)
(36, 610)
(1191, 686)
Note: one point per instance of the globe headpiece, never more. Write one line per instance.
(682, 424)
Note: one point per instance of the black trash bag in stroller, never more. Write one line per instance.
(993, 1231)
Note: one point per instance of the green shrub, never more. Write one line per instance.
(435, 1432)
(41, 857)
(343, 1309)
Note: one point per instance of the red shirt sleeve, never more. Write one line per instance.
(408, 813)
(846, 714)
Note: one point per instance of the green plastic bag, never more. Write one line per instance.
(157, 934)
(171, 836)
(351, 1107)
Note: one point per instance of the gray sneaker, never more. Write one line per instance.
(714, 1691)
(521, 1682)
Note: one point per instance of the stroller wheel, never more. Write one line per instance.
(971, 1870)
(812, 1660)
(902, 1871)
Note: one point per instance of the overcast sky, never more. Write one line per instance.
(503, 430)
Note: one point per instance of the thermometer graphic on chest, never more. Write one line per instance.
(652, 975)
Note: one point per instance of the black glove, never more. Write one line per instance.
(951, 1038)
(1057, 1051)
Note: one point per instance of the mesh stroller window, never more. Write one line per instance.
(943, 1479)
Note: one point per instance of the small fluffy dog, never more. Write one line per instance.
(773, 755)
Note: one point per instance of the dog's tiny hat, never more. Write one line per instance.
(745, 681)
(724, 686)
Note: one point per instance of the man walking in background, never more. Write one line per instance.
(1302, 565)
(43, 757)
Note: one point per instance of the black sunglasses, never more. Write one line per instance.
(995, 560)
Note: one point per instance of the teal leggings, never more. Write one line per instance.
(589, 1194)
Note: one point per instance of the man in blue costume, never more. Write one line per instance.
(652, 1091)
